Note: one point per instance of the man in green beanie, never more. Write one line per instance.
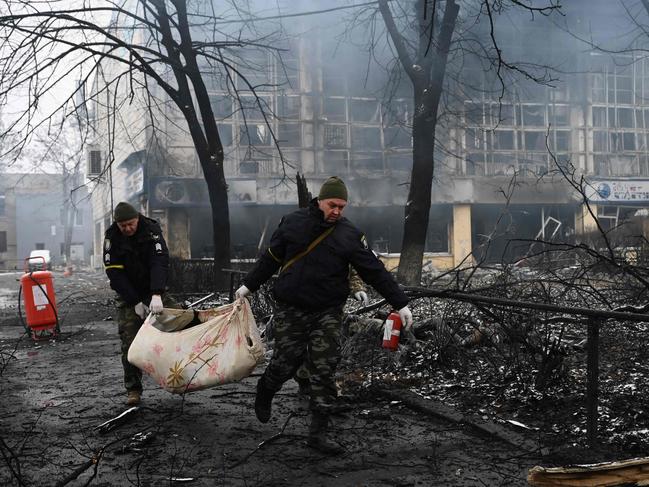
(136, 260)
(313, 248)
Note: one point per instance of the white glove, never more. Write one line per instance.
(242, 292)
(362, 297)
(141, 310)
(156, 304)
(406, 317)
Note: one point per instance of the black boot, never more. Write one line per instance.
(263, 401)
(318, 435)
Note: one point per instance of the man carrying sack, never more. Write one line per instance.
(136, 261)
(313, 248)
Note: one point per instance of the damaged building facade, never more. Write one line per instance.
(503, 158)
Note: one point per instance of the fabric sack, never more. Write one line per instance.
(224, 347)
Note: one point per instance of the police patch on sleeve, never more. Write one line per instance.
(107, 244)
(364, 242)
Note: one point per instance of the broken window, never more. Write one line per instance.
(255, 134)
(625, 118)
(502, 114)
(397, 113)
(623, 166)
(290, 134)
(601, 165)
(397, 137)
(334, 109)
(562, 140)
(560, 115)
(641, 144)
(600, 141)
(623, 86)
(628, 141)
(221, 106)
(643, 165)
(366, 138)
(225, 132)
(503, 139)
(254, 108)
(534, 140)
(599, 117)
(365, 111)
(533, 115)
(622, 141)
(608, 216)
(473, 113)
(475, 164)
(288, 107)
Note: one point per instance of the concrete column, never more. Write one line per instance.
(461, 234)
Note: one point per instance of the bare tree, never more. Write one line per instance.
(151, 50)
(425, 40)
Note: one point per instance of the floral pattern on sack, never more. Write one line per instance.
(202, 367)
(149, 368)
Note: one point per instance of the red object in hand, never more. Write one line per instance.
(392, 331)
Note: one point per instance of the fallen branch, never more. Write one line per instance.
(117, 421)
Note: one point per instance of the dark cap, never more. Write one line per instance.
(124, 211)
(334, 187)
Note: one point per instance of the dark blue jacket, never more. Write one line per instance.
(136, 266)
(320, 279)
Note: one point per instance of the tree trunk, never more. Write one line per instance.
(206, 138)
(218, 193)
(427, 76)
(418, 205)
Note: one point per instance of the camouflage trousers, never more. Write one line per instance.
(128, 324)
(310, 337)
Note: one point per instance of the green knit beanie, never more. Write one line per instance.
(124, 211)
(334, 187)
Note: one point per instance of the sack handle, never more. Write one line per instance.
(311, 246)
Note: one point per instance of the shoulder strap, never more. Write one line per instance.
(311, 246)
